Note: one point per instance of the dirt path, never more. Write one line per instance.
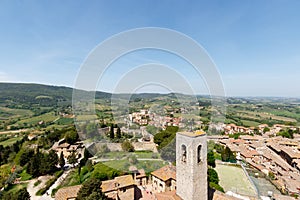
(14, 131)
(47, 195)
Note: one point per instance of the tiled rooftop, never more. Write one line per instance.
(118, 182)
(67, 192)
(165, 173)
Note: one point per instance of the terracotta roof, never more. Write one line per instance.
(165, 173)
(124, 181)
(67, 192)
(118, 182)
(292, 153)
(109, 185)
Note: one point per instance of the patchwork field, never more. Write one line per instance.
(47, 117)
(10, 141)
(234, 179)
(8, 113)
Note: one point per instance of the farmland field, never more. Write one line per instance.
(7, 113)
(47, 117)
(10, 141)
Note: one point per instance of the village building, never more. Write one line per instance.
(120, 188)
(139, 176)
(164, 179)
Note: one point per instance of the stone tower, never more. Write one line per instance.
(191, 165)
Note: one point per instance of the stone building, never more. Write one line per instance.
(191, 165)
(164, 179)
(120, 188)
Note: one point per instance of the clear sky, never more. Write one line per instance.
(255, 44)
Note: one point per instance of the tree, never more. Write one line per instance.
(127, 146)
(91, 190)
(34, 166)
(52, 160)
(26, 156)
(72, 158)
(211, 161)
(271, 175)
(227, 155)
(212, 176)
(118, 133)
(266, 129)
(87, 154)
(62, 160)
(112, 134)
(256, 131)
(22, 194)
(71, 136)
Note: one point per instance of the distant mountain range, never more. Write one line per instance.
(38, 93)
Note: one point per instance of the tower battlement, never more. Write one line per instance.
(193, 134)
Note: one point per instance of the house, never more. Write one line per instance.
(164, 179)
(289, 154)
(68, 149)
(139, 176)
(120, 188)
(67, 193)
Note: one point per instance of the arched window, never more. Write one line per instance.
(183, 153)
(199, 153)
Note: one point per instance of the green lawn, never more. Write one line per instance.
(146, 154)
(10, 141)
(138, 154)
(147, 165)
(234, 179)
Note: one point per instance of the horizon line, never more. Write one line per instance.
(161, 93)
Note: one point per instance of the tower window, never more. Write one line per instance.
(199, 153)
(183, 153)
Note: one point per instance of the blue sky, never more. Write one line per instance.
(255, 44)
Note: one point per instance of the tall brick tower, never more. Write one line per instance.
(191, 165)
